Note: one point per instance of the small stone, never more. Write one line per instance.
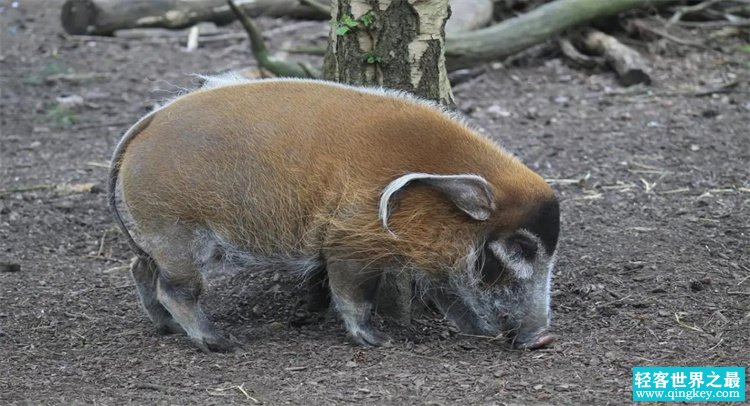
(562, 99)
(496, 110)
(256, 310)
(694, 147)
(696, 286)
(276, 326)
(71, 100)
(351, 364)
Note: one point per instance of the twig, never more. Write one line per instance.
(22, 189)
(687, 326)
(614, 301)
(241, 388)
(646, 27)
(691, 9)
(192, 40)
(744, 22)
(737, 292)
(98, 164)
(101, 244)
(247, 395)
(669, 192)
(648, 186)
(717, 344)
(104, 258)
(483, 337)
(117, 269)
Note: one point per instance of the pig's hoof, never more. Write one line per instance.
(369, 337)
(167, 328)
(215, 344)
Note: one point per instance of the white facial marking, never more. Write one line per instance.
(522, 268)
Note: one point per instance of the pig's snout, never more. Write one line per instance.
(535, 342)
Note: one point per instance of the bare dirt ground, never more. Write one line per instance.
(654, 261)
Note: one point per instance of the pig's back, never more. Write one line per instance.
(266, 163)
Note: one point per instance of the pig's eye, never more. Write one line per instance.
(516, 254)
(491, 269)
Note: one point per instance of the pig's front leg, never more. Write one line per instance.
(353, 289)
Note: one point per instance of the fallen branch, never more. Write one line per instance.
(321, 8)
(628, 63)
(571, 52)
(261, 54)
(536, 26)
(103, 17)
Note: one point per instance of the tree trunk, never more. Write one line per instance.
(397, 44)
(103, 17)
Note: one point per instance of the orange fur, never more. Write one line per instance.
(298, 166)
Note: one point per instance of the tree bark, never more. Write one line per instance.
(103, 17)
(519, 33)
(397, 44)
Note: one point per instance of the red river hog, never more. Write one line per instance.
(319, 178)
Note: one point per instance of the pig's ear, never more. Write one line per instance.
(470, 193)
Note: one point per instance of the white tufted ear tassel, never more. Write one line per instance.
(470, 193)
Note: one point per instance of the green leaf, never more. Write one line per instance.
(367, 19)
(372, 58)
(341, 30)
(744, 48)
(348, 21)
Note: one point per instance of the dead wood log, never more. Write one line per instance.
(103, 17)
(538, 25)
(630, 66)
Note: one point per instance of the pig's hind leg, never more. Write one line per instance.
(145, 274)
(353, 289)
(317, 299)
(179, 286)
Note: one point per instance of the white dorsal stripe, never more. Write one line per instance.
(402, 181)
